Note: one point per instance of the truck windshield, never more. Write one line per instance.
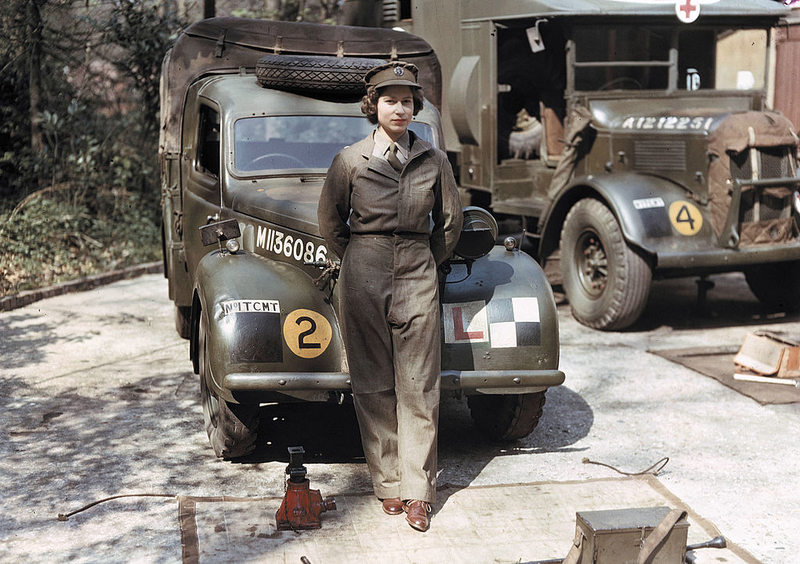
(264, 144)
(632, 57)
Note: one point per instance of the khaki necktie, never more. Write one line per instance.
(391, 156)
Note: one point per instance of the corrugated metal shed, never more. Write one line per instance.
(787, 68)
(511, 9)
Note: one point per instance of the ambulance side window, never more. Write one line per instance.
(208, 139)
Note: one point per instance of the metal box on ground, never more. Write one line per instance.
(616, 536)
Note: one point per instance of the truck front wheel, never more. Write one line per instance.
(506, 417)
(606, 282)
(232, 428)
(776, 285)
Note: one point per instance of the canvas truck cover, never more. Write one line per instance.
(224, 45)
(736, 134)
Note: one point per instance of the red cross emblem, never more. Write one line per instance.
(687, 10)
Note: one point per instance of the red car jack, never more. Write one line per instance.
(301, 507)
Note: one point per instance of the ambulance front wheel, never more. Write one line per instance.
(506, 417)
(232, 428)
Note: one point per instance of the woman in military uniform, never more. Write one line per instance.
(391, 210)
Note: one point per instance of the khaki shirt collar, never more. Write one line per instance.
(382, 142)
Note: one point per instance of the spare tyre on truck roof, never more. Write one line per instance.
(306, 73)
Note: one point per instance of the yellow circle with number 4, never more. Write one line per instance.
(685, 217)
(307, 333)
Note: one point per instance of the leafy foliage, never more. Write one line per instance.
(79, 100)
(88, 198)
(144, 35)
(314, 11)
(61, 234)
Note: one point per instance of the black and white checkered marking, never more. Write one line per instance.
(503, 323)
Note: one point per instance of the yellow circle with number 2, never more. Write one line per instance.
(685, 217)
(307, 333)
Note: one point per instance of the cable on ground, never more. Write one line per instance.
(654, 469)
(66, 516)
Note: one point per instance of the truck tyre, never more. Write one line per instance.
(506, 417)
(776, 285)
(309, 73)
(232, 428)
(606, 282)
(183, 321)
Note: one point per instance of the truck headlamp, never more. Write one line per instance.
(478, 233)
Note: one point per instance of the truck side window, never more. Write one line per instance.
(208, 142)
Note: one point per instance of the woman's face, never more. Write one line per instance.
(395, 110)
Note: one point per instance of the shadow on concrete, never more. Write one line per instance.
(464, 452)
(328, 433)
(24, 336)
(62, 451)
(675, 303)
(567, 419)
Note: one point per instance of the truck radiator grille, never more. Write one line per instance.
(769, 207)
(659, 155)
(772, 162)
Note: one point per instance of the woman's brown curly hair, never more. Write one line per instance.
(369, 103)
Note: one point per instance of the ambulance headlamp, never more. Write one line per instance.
(478, 234)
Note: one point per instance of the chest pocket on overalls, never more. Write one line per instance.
(421, 197)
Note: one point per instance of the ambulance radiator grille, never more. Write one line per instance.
(764, 205)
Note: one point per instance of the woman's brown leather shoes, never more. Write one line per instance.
(418, 514)
(392, 506)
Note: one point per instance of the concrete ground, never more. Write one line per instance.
(99, 399)
(515, 523)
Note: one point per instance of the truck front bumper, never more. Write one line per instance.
(475, 381)
(725, 260)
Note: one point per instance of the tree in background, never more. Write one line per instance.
(77, 78)
(30, 53)
(79, 102)
(316, 11)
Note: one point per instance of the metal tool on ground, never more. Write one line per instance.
(716, 542)
(652, 535)
(647, 535)
(301, 506)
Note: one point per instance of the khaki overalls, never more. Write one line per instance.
(401, 226)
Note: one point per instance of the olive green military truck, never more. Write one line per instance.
(633, 138)
(252, 114)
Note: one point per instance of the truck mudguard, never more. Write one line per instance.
(264, 316)
(652, 211)
(502, 317)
